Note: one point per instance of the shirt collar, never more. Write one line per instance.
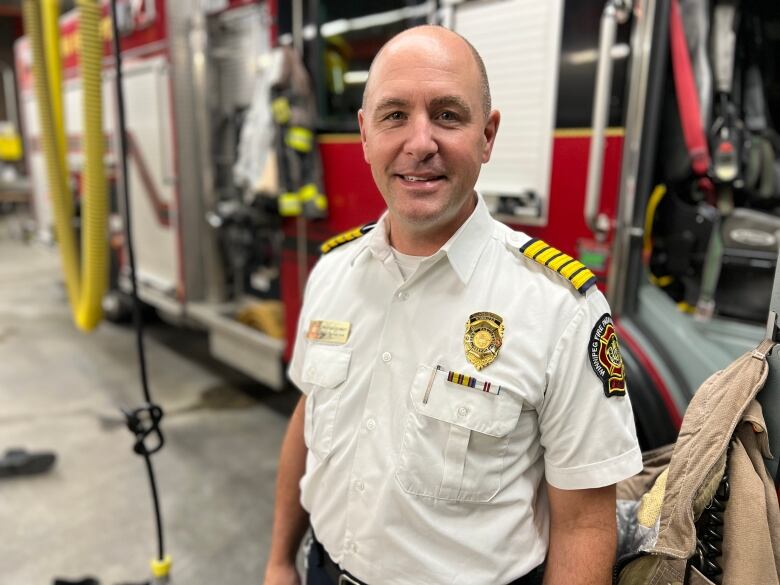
(463, 249)
(375, 242)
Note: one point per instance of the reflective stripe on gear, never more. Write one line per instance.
(321, 202)
(10, 147)
(289, 205)
(281, 110)
(299, 138)
(311, 196)
(307, 192)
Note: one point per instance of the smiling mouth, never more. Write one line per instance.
(417, 179)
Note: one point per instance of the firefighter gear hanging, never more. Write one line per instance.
(294, 113)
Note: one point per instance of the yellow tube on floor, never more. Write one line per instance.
(85, 291)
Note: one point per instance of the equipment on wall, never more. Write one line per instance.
(295, 116)
(714, 233)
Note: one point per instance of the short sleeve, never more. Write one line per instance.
(295, 368)
(585, 419)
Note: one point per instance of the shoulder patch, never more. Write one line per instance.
(344, 237)
(604, 357)
(572, 270)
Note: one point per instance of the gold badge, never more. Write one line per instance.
(334, 332)
(483, 338)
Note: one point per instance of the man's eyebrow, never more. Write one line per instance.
(390, 102)
(445, 101)
(451, 101)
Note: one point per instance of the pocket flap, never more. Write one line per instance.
(491, 414)
(325, 366)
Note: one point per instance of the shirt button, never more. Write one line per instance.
(403, 295)
(354, 547)
(463, 411)
(386, 357)
(371, 424)
(311, 371)
(360, 486)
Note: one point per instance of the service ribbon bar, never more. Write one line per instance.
(472, 382)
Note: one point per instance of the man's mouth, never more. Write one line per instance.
(421, 178)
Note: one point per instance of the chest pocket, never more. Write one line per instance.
(325, 368)
(455, 439)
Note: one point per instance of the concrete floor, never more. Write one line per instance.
(61, 390)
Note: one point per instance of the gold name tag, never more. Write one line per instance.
(335, 332)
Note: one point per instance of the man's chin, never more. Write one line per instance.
(420, 219)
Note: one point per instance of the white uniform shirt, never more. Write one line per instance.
(402, 490)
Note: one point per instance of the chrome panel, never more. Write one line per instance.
(641, 40)
(203, 271)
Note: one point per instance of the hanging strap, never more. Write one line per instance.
(687, 96)
(724, 44)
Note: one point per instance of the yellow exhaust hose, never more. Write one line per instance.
(85, 288)
(50, 21)
(94, 243)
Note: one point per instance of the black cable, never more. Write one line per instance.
(709, 529)
(145, 420)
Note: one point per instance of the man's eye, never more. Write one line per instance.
(395, 116)
(448, 116)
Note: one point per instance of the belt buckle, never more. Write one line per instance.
(345, 579)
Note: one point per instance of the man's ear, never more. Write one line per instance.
(491, 128)
(363, 140)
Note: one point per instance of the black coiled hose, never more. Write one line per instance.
(709, 533)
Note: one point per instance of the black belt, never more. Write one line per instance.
(341, 577)
(335, 573)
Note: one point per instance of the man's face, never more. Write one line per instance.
(423, 128)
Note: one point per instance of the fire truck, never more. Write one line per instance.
(591, 156)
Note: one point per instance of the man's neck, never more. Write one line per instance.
(426, 240)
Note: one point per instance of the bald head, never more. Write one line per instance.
(436, 38)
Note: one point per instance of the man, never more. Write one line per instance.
(464, 415)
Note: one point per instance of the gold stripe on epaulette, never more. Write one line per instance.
(534, 248)
(572, 270)
(556, 263)
(345, 237)
(547, 255)
(582, 278)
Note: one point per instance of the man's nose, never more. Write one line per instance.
(421, 143)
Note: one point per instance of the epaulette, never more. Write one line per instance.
(345, 237)
(572, 270)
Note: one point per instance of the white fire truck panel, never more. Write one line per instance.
(519, 41)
